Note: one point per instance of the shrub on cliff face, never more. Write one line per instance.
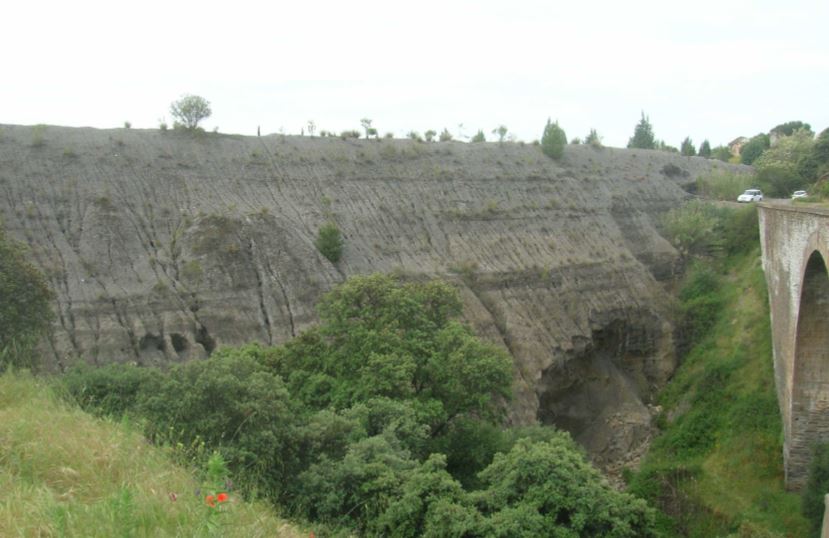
(330, 242)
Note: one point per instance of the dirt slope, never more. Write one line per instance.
(162, 246)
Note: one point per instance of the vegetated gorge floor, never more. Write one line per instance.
(161, 246)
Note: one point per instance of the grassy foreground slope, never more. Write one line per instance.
(716, 469)
(65, 473)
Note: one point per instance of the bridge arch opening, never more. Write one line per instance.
(810, 391)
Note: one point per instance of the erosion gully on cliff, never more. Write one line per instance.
(161, 246)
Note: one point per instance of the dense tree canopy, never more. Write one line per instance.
(381, 338)
(384, 420)
(754, 148)
(788, 165)
(789, 128)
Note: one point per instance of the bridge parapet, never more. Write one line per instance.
(795, 245)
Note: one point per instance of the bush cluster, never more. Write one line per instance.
(25, 311)
(383, 420)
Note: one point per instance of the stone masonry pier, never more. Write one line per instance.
(795, 244)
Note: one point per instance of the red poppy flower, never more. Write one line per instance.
(210, 500)
(221, 497)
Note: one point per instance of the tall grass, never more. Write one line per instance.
(65, 473)
(724, 185)
(717, 467)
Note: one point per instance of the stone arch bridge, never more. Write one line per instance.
(795, 244)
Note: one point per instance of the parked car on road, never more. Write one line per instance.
(751, 195)
(799, 194)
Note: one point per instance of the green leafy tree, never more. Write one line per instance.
(190, 110)
(721, 153)
(478, 137)
(357, 489)
(430, 135)
(788, 165)
(501, 131)
(330, 242)
(25, 311)
(789, 128)
(820, 154)
(694, 229)
(553, 140)
(232, 403)
(755, 147)
(383, 338)
(687, 147)
(549, 489)
(430, 503)
(445, 135)
(705, 149)
(643, 137)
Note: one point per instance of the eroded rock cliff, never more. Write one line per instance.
(162, 246)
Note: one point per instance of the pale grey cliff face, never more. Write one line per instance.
(161, 246)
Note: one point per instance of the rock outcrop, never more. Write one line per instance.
(161, 246)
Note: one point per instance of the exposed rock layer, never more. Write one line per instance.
(162, 246)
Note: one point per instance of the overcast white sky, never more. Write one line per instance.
(711, 69)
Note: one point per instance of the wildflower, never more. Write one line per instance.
(173, 497)
(221, 497)
(211, 501)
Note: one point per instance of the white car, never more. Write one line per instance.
(799, 194)
(751, 195)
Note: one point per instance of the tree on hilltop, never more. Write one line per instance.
(687, 147)
(501, 131)
(553, 140)
(190, 110)
(643, 135)
(366, 124)
(788, 128)
(593, 139)
(705, 149)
